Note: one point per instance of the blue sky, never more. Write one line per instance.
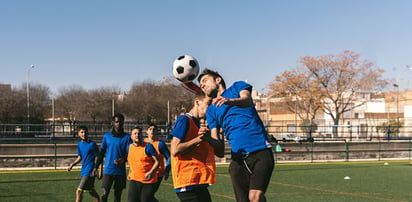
(117, 43)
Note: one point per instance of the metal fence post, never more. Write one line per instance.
(311, 152)
(379, 150)
(347, 150)
(55, 156)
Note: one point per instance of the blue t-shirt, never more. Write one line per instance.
(88, 151)
(150, 150)
(165, 151)
(242, 126)
(115, 147)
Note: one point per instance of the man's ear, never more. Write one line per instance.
(218, 80)
(196, 102)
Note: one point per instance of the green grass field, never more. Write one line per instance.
(370, 181)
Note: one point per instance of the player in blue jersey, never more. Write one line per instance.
(233, 111)
(87, 152)
(114, 149)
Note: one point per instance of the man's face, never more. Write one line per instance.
(82, 134)
(117, 124)
(203, 105)
(151, 132)
(209, 85)
(136, 135)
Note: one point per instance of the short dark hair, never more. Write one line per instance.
(152, 124)
(119, 116)
(200, 95)
(138, 128)
(86, 130)
(212, 73)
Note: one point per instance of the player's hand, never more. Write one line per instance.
(69, 168)
(204, 133)
(166, 175)
(203, 130)
(94, 172)
(148, 175)
(219, 101)
(98, 173)
(119, 161)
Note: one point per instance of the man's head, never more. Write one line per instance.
(118, 122)
(136, 135)
(201, 102)
(211, 82)
(151, 131)
(83, 132)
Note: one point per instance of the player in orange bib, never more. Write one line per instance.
(163, 153)
(193, 156)
(143, 162)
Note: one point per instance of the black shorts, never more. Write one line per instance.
(86, 183)
(198, 195)
(251, 172)
(140, 191)
(119, 182)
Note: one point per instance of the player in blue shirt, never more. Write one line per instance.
(114, 149)
(233, 111)
(87, 151)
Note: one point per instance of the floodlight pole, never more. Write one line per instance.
(28, 95)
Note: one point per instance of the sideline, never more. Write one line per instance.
(221, 165)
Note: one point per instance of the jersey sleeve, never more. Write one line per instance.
(150, 150)
(95, 149)
(180, 127)
(103, 146)
(211, 117)
(165, 151)
(241, 85)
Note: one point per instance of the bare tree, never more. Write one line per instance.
(331, 83)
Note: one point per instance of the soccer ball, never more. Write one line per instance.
(185, 68)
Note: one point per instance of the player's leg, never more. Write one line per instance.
(79, 195)
(134, 191)
(107, 182)
(95, 195)
(240, 180)
(262, 164)
(119, 185)
(147, 192)
(156, 187)
(89, 187)
(83, 185)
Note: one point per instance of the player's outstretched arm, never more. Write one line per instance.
(78, 159)
(215, 139)
(245, 100)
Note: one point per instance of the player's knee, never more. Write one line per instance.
(104, 192)
(79, 192)
(256, 196)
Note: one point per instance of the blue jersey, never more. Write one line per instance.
(116, 147)
(242, 126)
(182, 125)
(88, 151)
(150, 150)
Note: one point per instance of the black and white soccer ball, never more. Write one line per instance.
(185, 68)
